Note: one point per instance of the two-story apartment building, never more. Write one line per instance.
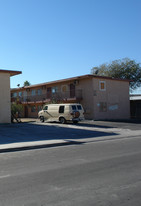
(101, 97)
(5, 101)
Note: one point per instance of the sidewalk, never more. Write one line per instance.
(13, 147)
(27, 120)
(31, 134)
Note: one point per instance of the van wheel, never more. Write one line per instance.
(42, 119)
(62, 120)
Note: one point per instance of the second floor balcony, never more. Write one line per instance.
(68, 96)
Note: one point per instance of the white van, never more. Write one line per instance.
(62, 113)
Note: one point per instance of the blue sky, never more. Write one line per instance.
(55, 39)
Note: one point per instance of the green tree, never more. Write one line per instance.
(16, 108)
(26, 83)
(16, 111)
(123, 69)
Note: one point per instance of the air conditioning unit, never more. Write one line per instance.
(76, 82)
(44, 87)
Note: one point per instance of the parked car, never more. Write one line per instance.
(62, 113)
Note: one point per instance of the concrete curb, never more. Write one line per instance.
(37, 146)
(15, 147)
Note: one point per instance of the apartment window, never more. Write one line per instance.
(54, 89)
(33, 109)
(33, 92)
(25, 93)
(20, 94)
(15, 94)
(39, 91)
(102, 85)
(103, 106)
(39, 108)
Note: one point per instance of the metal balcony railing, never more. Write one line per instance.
(49, 96)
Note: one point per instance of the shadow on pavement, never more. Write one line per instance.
(27, 132)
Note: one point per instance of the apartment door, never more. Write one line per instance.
(48, 92)
(25, 96)
(26, 111)
(72, 90)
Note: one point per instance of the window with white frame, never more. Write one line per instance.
(102, 85)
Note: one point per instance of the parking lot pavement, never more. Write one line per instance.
(131, 124)
(31, 134)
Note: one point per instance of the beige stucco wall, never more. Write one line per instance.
(87, 97)
(116, 98)
(5, 103)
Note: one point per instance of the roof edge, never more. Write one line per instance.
(11, 72)
(87, 76)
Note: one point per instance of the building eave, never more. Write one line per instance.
(11, 72)
(88, 76)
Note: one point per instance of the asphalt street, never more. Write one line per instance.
(103, 173)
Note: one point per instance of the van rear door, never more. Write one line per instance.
(81, 110)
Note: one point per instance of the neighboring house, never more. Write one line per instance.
(101, 97)
(5, 101)
(135, 106)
